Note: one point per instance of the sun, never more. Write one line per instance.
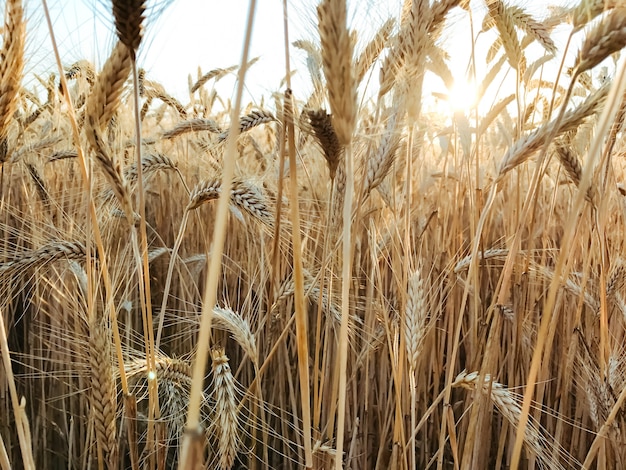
(461, 97)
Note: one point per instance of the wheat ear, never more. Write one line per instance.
(46, 254)
(249, 121)
(239, 328)
(243, 195)
(503, 21)
(607, 37)
(526, 146)
(337, 50)
(103, 392)
(226, 420)
(192, 125)
(379, 165)
(534, 28)
(372, 50)
(539, 444)
(415, 317)
(100, 108)
(324, 132)
(104, 98)
(129, 16)
(11, 68)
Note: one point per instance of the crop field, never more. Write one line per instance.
(364, 278)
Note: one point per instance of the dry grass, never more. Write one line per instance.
(368, 252)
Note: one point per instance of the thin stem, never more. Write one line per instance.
(193, 436)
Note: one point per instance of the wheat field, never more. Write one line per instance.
(347, 281)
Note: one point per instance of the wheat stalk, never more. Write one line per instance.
(104, 99)
(217, 74)
(154, 90)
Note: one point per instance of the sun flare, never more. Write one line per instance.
(460, 98)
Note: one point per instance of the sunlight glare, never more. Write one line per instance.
(462, 97)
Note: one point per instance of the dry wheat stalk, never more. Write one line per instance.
(110, 167)
(34, 147)
(312, 292)
(616, 280)
(100, 108)
(437, 64)
(192, 125)
(494, 112)
(588, 295)
(415, 44)
(599, 393)
(175, 370)
(337, 50)
(156, 253)
(225, 422)
(487, 254)
(314, 67)
(526, 146)
(339, 193)
(11, 68)
(207, 190)
(103, 392)
(607, 37)
(174, 382)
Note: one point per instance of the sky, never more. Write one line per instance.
(180, 36)
(184, 35)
